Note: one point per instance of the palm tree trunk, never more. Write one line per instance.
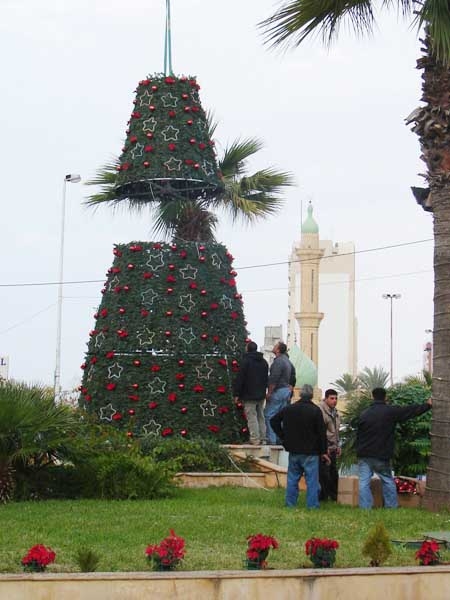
(437, 495)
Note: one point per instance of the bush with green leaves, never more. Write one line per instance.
(377, 545)
(195, 454)
(412, 438)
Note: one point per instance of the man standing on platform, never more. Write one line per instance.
(302, 431)
(328, 471)
(250, 388)
(279, 391)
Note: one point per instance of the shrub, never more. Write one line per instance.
(87, 560)
(377, 545)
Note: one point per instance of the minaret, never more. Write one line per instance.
(309, 317)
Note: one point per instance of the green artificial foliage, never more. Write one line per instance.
(168, 152)
(412, 438)
(165, 347)
(87, 560)
(377, 545)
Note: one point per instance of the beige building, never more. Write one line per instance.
(321, 304)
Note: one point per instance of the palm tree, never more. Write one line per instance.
(346, 384)
(34, 431)
(295, 21)
(373, 378)
(248, 197)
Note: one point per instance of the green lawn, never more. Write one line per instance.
(214, 523)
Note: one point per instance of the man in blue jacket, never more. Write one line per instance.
(375, 445)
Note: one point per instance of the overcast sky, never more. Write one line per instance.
(334, 118)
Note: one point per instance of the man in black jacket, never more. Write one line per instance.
(301, 428)
(250, 388)
(375, 445)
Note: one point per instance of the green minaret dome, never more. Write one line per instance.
(309, 225)
(305, 369)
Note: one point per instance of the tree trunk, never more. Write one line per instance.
(432, 125)
(437, 494)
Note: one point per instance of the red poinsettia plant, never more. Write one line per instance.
(428, 553)
(37, 558)
(258, 546)
(405, 486)
(322, 552)
(168, 554)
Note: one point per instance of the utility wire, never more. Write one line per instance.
(284, 262)
(28, 318)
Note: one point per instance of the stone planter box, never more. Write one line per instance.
(407, 583)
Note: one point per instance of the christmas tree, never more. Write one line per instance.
(168, 336)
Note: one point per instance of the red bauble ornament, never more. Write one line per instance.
(136, 362)
(147, 275)
(222, 362)
(198, 388)
(167, 333)
(183, 432)
(110, 354)
(135, 386)
(181, 386)
(203, 314)
(216, 339)
(214, 428)
(234, 362)
(185, 318)
(181, 362)
(171, 267)
(155, 368)
(192, 141)
(180, 376)
(83, 366)
(221, 389)
(234, 315)
(130, 266)
(154, 88)
(244, 430)
(193, 285)
(152, 108)
(94, 359)
(239, 405)
(133, 140)
(172, 147)
(172, 397)
(183, 409)
(148, 148)
(202, 259)
(188, 122)
(214, 306)
(152, 405)
(126, 288)
(149, 135)
(188, 161)
(203, 292)
(169, 290)
(88, 398)
(204, 336)
(122, 311)
(111, 386)
(202, 146)
(167, 431)
(196, 166)
(117, 252)
(169, 313)
(195, 109)
(157, 246)
(144, 312)
(172, 114)
(173, 247)
(122, 333)
(130, 434)
(131, 411)
(117, 416)
(183, 254)
(169, 80)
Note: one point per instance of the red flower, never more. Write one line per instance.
(428, 553)
(38, 557)
(170, 552)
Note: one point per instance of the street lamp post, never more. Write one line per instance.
(71, 178)
(391, 297)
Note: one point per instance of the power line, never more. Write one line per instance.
(284, 262)
(28, 318)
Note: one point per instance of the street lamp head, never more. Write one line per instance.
(73, 178)
(392, 296)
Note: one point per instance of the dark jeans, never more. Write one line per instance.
(328, 477)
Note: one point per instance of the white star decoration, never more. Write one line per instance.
(113, 283)
(231, 342)
(204, 370)
(146, 337)
(216, 262)
(173, 164)
(148, 297)
(115, 371)
(99, 339)
(226, 302)
(208, 168)
(189, 272)
(90, 373)
(169, 100)
(187, 335)
(208, 408)
(149, 124)
(146, 98)
(137, 150)
(107, 412)
(157, 386)
(186, 302)
(155, 261)
(152, 427)
(170, 133)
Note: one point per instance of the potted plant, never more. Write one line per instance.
(428, 553)
(322, 552)
(258, 547)
(37, 558)
(167, 555)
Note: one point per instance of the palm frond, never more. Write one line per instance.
(185, 220)
(435, 15)
(299, 19)
(232, 163)
(105, 177)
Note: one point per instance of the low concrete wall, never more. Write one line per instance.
(413, 583)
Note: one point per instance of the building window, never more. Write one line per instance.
(312, 286)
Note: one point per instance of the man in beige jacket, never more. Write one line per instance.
(328, 471)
